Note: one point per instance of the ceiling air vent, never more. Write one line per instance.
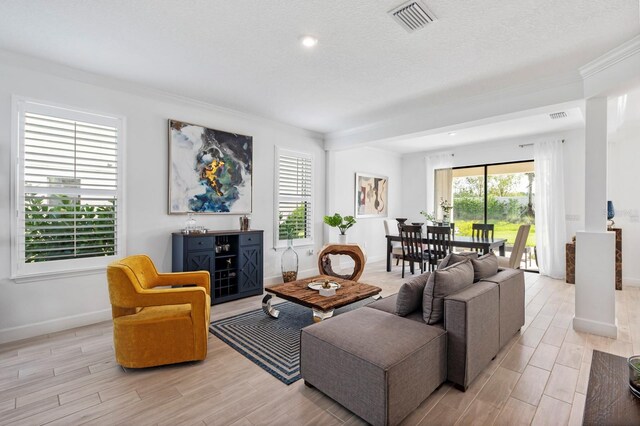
(557, 115)
(412, 16)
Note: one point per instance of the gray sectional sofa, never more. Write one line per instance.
(381, 365)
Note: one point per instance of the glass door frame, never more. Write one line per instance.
(485, 194)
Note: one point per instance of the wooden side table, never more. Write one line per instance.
(570, 255)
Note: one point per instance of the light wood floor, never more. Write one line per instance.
(71, 377)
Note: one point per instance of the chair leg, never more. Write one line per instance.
(403, 262)
(397, 261)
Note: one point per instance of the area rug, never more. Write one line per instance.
(273, 344)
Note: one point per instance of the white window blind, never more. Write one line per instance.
(67, 205)
(294, 189)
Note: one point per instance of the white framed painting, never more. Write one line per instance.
(210, 171)
(371, 195)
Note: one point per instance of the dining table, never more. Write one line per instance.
(485, 245)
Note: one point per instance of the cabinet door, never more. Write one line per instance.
(250, 269)
(199, 261)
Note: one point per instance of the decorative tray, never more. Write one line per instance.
(317, 285)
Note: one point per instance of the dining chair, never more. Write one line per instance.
(391, 228)
(439, 245)
(513, 261)
(412, 247)
(481, 231)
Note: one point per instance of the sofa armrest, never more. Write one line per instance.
(471, 318)
(512, 301)
(198, 278)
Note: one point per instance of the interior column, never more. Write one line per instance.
(595, 246)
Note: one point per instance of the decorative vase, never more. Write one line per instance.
(401, 221)
(445, 219)
(289, 263)
(611, 213)
(342, 238)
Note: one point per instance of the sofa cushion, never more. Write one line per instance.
(452, 258)
(484, 266)
(410, 295)
(442, 283)
(388, 305)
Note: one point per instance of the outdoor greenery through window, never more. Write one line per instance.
(506, 200)
(67, 198)
(294, 191)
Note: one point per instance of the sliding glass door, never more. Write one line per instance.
(498, 194)
(468, 198)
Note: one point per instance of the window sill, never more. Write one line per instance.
(301, 245)
(43, 276)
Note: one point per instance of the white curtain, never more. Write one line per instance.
(438, 162)
(550, 212)
(443, 189)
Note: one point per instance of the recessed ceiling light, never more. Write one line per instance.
(308, 41)
(452, 133)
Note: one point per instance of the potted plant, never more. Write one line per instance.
(337, 221)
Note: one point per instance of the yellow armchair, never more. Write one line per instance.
(156, 326)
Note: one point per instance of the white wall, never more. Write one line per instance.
(624, 153)
(34, 308)
(414, 171)
(341, 169)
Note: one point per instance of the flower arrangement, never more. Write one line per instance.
(445, 205)
(429, 217)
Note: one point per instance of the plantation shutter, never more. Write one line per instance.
(294, 190)
(68, 204)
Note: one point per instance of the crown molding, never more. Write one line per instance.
(611, 58)
(13, 59)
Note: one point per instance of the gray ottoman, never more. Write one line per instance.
(376, 364)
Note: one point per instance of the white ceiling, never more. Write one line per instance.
(245, 54)
(528, 124)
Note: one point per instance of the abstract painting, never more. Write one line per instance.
(210, 170)
(371, 195)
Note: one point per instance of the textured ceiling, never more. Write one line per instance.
(245, 54)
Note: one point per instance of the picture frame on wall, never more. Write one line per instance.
(210, 171)
(371, 197)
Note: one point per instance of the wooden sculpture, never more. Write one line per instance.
(352, 250)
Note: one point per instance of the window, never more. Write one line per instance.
(67, 200)
(294, 195)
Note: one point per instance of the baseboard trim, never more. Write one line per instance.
(631, 282)
(27, 331)
(596, 327)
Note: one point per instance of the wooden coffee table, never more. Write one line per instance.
(321, 306)
(609, 400)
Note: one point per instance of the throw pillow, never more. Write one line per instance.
(442, 283)
(410, 295)
(484, 266)
(452, 258)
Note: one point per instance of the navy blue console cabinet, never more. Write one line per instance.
(233, 258)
